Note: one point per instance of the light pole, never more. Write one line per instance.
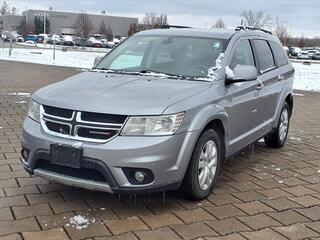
(44, 22)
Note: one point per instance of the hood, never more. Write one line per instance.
(118, 93)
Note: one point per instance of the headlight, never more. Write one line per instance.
(34, 111)
(152, 126)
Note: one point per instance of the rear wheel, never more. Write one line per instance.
(204, 166)
(279, 137)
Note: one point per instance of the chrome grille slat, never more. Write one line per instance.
(98, 132)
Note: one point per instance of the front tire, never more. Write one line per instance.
(204, 166)
(278, 138)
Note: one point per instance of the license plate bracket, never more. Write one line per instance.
(66, 155)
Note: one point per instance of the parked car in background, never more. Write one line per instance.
(316, 56)
(81, 42)
(93, 42)
(303, 55)
(111, 44)
(31, 38)
(311, 53)
(163, 111)
(19, 38)
(104, 43)
(293, 51)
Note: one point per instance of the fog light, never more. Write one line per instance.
(139, 176)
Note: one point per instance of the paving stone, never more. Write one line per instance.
(96, 229)
(306, 201)
(223, 199)
(32, 181)
(21, 191)
(158, 234)
(2, 194)
(98, 214)
(249, 196)
(13, 201)
(125, 225)
(299, 190)
(189, 204)
(253, 208)
(313, 225)
(161, 220)
(13, 174)
(27, 224)
(228, 226)
(44, 198)
(125, 236)
(288, 217)
(281, 204)
(264, 234)
(275, 193)
(259, 221)
(54, 221)
(53, 234)
(194, 215)
(8, 183)
(225, 211)
(312, 212)
(5, 214)
(30, 211)
(61, 207)
(194, 230)
(11, 237)
(296, 231)
(233, 236)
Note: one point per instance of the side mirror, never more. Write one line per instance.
(97, 60)
(241, 73)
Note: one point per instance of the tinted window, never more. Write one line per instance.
(242, 55)
(279, 55)
(264, 55)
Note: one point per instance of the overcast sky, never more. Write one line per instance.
(301, 16)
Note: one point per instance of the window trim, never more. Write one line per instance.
(277, 65)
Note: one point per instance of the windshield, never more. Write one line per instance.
(171, 55)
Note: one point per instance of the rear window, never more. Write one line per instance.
(264, 55)
(279, 55)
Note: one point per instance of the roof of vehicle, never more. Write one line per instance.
(204, 32)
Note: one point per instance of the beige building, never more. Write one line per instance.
(63, 22)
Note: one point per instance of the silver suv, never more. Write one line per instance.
(161, 111)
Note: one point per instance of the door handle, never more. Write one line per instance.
(280, 77)
(260, 85)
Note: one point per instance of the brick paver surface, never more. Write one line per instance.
(272, 194)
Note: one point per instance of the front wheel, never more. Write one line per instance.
(204, 166)
(279, 137)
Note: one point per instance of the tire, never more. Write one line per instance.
(278, 138)
(193, 186)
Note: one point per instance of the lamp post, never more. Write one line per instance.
(44, 22)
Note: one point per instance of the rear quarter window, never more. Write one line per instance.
(264, 55)
(279, 55)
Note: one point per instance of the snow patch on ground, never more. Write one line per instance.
(307, 77)
(75, 59)
(80, 222)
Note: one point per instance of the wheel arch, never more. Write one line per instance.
(289, 100)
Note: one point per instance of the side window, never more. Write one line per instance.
(242, 55)
(264, 55)
(279, 55)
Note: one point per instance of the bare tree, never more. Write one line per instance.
(219, 24)
(256, 18)
(109, 33)
(281, 31)
(83, 25)
(103, 28)
(133, 29)
(151, 20)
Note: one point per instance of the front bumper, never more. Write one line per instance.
(167, 157)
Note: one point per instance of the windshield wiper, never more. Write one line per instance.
(107, 70)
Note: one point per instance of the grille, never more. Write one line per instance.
(83, 126)
(102, 118)
(59, 112)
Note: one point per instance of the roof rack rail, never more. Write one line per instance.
(173, 26)
(239, 28)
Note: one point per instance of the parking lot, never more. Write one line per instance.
(262, 194)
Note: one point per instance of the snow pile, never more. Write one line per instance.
(75, 59)
(80, 222)
(307, 77)
(212, 72)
